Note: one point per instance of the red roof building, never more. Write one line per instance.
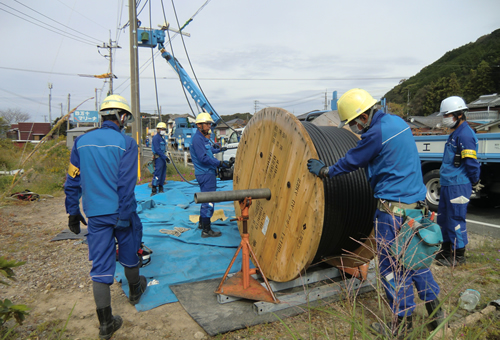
(30, 131)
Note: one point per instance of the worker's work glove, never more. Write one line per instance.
(74, 223)
(216, 146)
(477, 186)
(223, 149)
(167, 160)
(225, 164)
(122, 224)
(317, 167)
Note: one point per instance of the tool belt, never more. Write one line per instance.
(396, 208)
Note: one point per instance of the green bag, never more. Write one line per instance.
(151, 166)
(418, 240)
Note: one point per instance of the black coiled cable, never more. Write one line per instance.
(349, 201)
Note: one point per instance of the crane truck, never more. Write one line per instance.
(430, 151)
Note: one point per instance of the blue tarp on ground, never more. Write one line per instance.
(187, 258)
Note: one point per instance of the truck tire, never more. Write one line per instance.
(431, 181)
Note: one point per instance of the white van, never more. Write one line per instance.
(232, 144)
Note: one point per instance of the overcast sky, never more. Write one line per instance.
(279, 53)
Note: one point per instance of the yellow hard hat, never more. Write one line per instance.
(114, 101)
(161, 125)
(204, 117)
(352, 104)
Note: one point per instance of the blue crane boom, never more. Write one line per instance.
(156, 38)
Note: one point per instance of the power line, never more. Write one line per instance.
(54, 20)
(97, 23)
(57, 32)
(216, 79)
(297, 79)
(20, 96)
(35, 71)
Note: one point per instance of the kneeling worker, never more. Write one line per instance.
(103, 171)
(205, 169)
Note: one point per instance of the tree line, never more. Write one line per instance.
(469, 71)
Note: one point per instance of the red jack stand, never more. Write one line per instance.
(242, 284)
(360, 272)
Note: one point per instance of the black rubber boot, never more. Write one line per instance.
(438, 317)
(153, 191)
(445, 251)
(207, 230)
(108, 324)
(137, 289)
(460, 257)
(445, 256)
(160, 189)
(394, 330)
(200, 226)
(456, 258)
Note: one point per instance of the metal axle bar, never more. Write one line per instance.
(231, 195)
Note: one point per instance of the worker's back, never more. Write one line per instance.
(100, 154)
(395, 174)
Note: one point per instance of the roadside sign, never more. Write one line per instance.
(84, 116)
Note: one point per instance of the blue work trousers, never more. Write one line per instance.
(102, 247)
(208, 182)
(160, 172)
(452, 211)
(397, 280)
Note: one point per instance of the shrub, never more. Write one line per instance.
(9, 310)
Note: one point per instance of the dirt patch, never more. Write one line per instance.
(55, 279)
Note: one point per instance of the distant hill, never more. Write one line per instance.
(469, 71)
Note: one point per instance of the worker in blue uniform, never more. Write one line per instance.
(103, 172)
(205, 169)
(389, 155)
(160, 158)
(459, 175)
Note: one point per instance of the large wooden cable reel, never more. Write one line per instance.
(306, 220)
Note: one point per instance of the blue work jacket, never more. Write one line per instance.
(462, 141)
(103, 171)
(202, 155)
(159, 146)
(388, 152)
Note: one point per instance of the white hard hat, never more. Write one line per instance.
(452, 104)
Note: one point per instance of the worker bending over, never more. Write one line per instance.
(103, 171)
(389, 155)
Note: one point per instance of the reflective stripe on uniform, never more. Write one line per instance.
(73, 171)
(469, 153)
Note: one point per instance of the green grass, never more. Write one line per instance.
(45, 171)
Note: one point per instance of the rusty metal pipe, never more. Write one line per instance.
(231, 195)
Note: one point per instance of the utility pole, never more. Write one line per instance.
(50, 105)
(61, 110)
(256, 105)
(67, 122)
(408, 105)
(134, 73)
(112, 44)
(326, 99)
